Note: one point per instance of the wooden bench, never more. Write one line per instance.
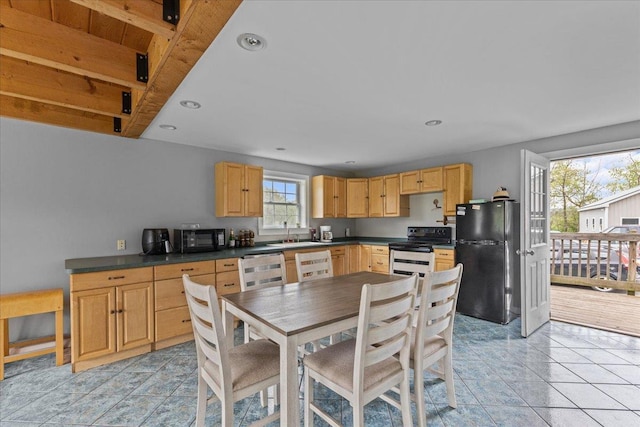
(27, 304)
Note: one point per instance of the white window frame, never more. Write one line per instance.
(303, 182)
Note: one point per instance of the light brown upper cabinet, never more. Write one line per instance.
(238, 190)
(329, 196)
(458, 184)
(384, 197)
(357, 197)
(421, 181)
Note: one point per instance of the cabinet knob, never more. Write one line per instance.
(186, 320)
(120, 311)
(187, 269)
(226, 285)
(116, 277)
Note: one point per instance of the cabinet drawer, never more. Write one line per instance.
(227, 282)
(172, 323)
(337, 251)
(173, 271)
(169, 293)
(444, 254)
(379, 263)
(101, 279)
(227, 264)
(380, 250)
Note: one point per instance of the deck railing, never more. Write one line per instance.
(596, 259)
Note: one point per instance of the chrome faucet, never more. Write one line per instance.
(288, 239)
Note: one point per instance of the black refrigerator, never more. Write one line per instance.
(487, 238)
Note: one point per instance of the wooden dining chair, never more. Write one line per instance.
(433, 336)
(363, 368)
(231, 373)
(408, 262)
(261, 272)
(314, 265)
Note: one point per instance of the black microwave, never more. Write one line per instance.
(188, 240)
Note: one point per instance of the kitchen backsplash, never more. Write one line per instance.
(423, 213)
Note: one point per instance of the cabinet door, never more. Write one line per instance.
(357, 197)
(93, 323)
(229, 184)
(253, 194)
(457, 186)
(354, 258)
(338, 259)
(431, 179)
(365, 257)
(376, 196)
(135, 315)
(394, 203)
(322, 197)
(340, 197)
(410, 182)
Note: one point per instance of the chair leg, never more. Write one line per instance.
(448, 379)
(201, 409)
(405, 401)
(308, 398)
(358, 413)
(227, 411)
(418, 390)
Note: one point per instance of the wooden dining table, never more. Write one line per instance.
(295, 314)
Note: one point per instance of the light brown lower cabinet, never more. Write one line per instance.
(444, 259)
(111, 316)
(173, 322)
(380, 259)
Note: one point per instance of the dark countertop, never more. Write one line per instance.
(116, 262)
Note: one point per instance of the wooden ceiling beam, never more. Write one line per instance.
(27, 37)
(169, 63)
(26, 80)
(145, 14)
(25, 109)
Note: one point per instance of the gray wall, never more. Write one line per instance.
(71, 194)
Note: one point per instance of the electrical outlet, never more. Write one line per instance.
(122, 245)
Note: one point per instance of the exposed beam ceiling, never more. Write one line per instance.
(68, 62)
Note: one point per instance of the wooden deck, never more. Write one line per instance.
(616, 312)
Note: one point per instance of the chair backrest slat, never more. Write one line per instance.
(438, 305)
(206, 321)
(262, 271)
(386, 317)
(314, 265)
(407, 263)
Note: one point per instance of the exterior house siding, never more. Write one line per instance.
(610, 211)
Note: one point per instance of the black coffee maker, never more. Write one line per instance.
(155, 241)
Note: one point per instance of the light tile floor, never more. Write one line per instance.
(563, 375)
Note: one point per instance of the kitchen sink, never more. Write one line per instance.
(293, 244)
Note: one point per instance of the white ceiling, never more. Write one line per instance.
(357, 80)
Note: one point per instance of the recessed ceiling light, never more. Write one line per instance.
(280, 149)
(251, 41)
(433, 122)
(168, 127)
(350, 162)
(190, 104)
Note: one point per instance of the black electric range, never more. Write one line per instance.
(422, 239)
